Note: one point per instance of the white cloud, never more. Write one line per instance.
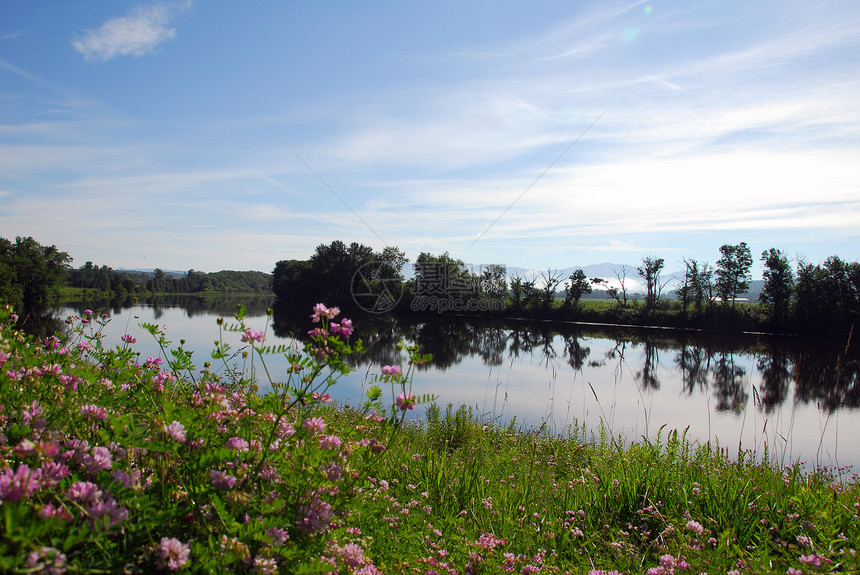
(134, 35)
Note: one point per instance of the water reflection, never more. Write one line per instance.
(726, 387)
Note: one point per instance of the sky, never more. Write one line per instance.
(213, 135)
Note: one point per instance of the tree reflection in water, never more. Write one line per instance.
(682, 376)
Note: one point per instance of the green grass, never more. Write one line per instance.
(250, 486)
(581, 503)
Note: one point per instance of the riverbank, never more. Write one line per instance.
(115, 462)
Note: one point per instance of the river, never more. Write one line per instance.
(796, 398)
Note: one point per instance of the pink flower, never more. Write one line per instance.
(153, 361)
(251, 336)
(47, 560)
(345, 327)
(489, 541)
(176, 431)
(278, 534)
(93, 412)
(284, 430)
(265, 565)
(352, 555)
(128, 338)
(100, 458)
(320, 310)
(237, 443)
(314, 424)
(52, 473)
(107, 508)
(333, 471)
(172, 553)
(814, 560)
(222, 480)
(695, 527)
(18, 484)
(315, 516)
(404, 401)
(83, 492)
(25, 449)
(390, 371)
(330, 442)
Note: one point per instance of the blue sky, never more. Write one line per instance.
(224, 135)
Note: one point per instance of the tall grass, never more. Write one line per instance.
(460, 496)
(110, 465)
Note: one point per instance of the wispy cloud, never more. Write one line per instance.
(134, 35)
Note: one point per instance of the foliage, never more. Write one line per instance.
(441, 275)
(466, 496)
(576, 286)
(698, 287)
(328, 274)
(113, 466)
(124, 282)
(30, 272)
(650, 272)
(733, 269)
(778, 284)
(494, 281)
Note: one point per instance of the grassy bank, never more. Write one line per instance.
(113, 463)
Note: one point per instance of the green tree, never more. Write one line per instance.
(442, 275)
(650, 272)
(30, 273)
(697, 287)
(494, 281)
(333, 267)
(778, 284)
(291, 280)
(517, 292)
(733, 271)
(392, 261)
(809, 298)
(841, 292)
(576, 286)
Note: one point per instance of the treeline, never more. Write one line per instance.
(823, 298)
(226, 281)
(158, 281)
(32, 274)
(104, 278)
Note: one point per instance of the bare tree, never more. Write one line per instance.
(620, 295)
(551, 278)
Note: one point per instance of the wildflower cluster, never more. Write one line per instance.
(115, 465)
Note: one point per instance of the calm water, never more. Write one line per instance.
(798, 398)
